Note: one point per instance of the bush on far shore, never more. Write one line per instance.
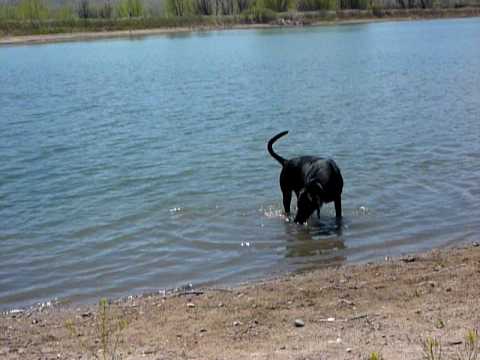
(37, 17)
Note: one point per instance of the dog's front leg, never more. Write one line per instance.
(287, 198)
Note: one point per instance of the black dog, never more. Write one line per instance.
(314, 180)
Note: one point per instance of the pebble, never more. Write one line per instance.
(455, 342)
(237, 323)
(476, 244)
(348, 350)
(190, 305)
(299, 323)
(409, 259)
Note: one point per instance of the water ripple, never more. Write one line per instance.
(153, 171)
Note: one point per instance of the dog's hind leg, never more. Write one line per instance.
(338, 207)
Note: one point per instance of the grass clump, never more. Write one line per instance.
(375, 356)
(108, 333)
(431, 348)
(471, 349)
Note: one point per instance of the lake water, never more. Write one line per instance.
(133, 165)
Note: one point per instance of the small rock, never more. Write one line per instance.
(455, 342)
(345, 302)
(220, 305)
(348, 350)
(299, 323)
(46, 350)
(476, 244)
(237, 323)
(409, 259)
(448, 289)
(190, 305)
(283, 347)
(86, 314)
(203, 330)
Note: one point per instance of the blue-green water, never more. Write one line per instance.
(132, 165)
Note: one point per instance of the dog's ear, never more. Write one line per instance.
(306, 193)
(315, 188)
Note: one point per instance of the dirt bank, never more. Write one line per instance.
(347, 312)
(283, 20)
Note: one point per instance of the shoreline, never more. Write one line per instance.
(346, 17)
(391, 308)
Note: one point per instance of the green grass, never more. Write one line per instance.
(471, 349)
(431, 348)
(375, 356)
(109, 327)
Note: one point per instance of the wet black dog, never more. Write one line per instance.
(314, 180)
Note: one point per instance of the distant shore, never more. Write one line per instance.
(396, 309)
(283, 20)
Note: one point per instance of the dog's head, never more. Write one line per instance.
(309, 200)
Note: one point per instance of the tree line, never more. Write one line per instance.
(38, 10)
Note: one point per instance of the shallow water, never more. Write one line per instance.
(131, 165)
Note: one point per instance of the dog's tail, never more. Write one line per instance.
(277, 157)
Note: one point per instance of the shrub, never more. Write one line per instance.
(259, 15)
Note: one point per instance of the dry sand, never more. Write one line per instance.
(348, 312)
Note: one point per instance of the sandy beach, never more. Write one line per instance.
(392, 309)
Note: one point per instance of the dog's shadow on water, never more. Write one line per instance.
(321, 239)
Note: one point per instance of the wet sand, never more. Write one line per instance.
(347, 312)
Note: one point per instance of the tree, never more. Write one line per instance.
(242, 5)
(84, 9)
(203, 7)
(32, 10)
(106, 11)
(277, 5)
(177, 7)
(130, 8)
